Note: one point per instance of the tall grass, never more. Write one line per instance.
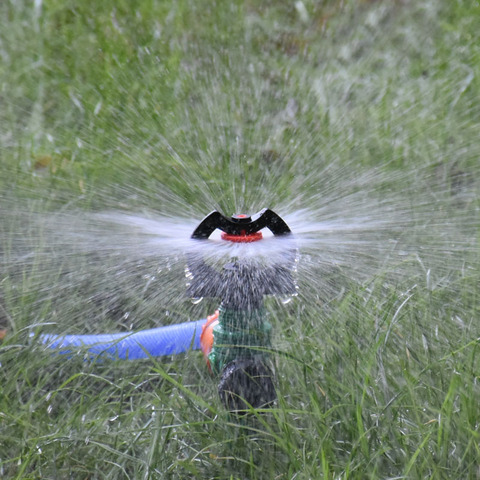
(185, 106)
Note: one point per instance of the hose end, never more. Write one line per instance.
(206, 337)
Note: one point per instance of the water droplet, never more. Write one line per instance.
(286, 300)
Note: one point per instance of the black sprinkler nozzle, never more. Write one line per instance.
(241, 224)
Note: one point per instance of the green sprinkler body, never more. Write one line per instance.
(239, 334)
(237, 339)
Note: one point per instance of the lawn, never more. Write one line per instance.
(357, 121)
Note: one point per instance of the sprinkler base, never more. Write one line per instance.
(246, 383)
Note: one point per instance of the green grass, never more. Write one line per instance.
(169, 106)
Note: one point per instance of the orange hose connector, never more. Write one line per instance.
(206, 337)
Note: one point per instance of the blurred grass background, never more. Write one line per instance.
(185, 106)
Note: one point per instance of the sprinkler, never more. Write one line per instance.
(236, 340)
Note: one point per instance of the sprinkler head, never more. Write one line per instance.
(246, 383)
(242, 284)
(241, 227)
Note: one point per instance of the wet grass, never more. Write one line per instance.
(192, 105)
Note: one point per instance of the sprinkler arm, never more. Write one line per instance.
(241, 224)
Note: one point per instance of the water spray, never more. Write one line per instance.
(236, 340)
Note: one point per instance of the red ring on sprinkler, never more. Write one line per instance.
(242, 237)
(251, 237)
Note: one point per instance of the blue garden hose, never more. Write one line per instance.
(154, 342)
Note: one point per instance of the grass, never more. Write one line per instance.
(192, 105)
